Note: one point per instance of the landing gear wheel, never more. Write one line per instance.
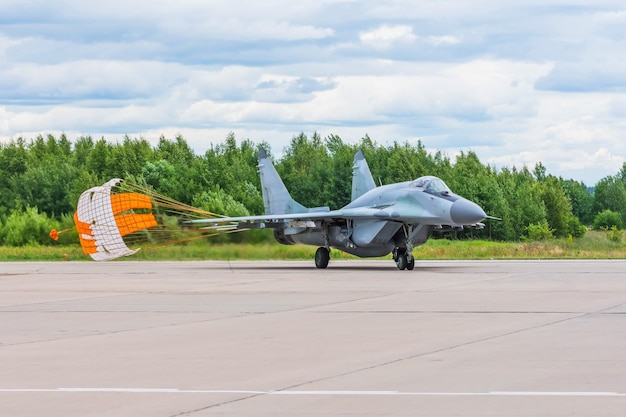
(322, 256)
(410, 264)
(402, 261)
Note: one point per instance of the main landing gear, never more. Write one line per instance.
(322, 254)
(322, 257)
(404, 259)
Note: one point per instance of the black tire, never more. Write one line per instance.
(322, 257)
(397, 252)
(402, 262)
(410, 264)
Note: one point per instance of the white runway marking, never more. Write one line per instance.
(329, 392)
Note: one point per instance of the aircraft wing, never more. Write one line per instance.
(394, 212)
(333, 215)
(461, 212)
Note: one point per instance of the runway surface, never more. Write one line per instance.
(476, 338)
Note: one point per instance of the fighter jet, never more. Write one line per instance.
(393, 218)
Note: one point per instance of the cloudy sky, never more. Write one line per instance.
(517, 82)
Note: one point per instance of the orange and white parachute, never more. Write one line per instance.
(113, 218)
(103, 219)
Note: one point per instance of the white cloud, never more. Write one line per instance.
(601, 158)
(6, 43)
(442, 40)
(231, 28)
(5, 123)
(85, 80)
(386, 36)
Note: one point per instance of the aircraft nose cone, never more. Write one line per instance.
(466, 212)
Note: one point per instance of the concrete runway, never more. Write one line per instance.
(476, 338)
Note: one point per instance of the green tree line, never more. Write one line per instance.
(42, 178)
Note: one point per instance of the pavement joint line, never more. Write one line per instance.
(128, 390)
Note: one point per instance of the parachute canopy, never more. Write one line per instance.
(102, 219)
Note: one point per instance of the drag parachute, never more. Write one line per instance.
(113, 218)
(103, 219)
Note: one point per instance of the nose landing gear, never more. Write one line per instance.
(404, 259)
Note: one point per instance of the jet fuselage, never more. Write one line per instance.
(401, 211)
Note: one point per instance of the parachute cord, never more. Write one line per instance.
(189, 239)
(170, 203)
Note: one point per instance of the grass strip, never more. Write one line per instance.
(594, 245)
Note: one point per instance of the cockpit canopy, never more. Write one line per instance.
(431, 185)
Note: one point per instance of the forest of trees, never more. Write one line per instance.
(42, 178)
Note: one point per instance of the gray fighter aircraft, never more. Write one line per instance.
(392, 218)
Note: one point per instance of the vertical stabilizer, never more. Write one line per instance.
(276, 198)
(362, 180)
